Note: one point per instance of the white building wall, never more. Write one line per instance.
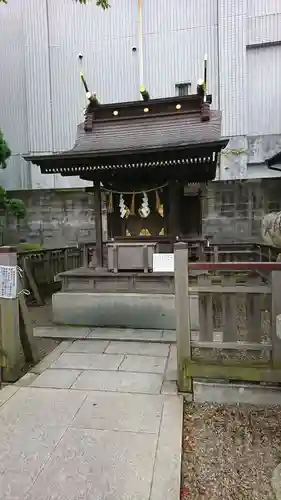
(39, 45)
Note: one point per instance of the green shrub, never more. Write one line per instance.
(28, 247)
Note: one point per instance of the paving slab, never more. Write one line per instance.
(6, 393)
(89, 346)
(111, 435)
(140, 348)
(46, 407)
(86, 361)
(167, 468)
(126, 334)
(120, 412)
(169, 336)
(23, 452)
(56, 379)
(143, 364)
(169, 388)
(171, 369)
(14, 486)
(143, 383)
(97, 464)
(62, 332)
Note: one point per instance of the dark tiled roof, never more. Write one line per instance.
(148, 132)
(271, 162)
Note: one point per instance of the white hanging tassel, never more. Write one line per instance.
(123, 210)
(144, 210)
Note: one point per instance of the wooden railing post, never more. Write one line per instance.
(216, 253)
(182, 316)
(85, 259)
(12, 341)
(65, 260)
(276, 323)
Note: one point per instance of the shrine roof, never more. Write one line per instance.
(127, 134)
(147, 132)
(273, 161)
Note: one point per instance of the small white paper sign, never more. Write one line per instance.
(8, 282)
(163, 262)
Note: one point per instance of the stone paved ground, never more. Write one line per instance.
(95, 419)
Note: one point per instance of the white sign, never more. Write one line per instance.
(163, 263)
(8, 282)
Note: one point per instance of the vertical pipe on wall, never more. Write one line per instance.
(140, 43)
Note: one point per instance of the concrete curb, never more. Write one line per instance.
(6, 393)
(50, 358)
(223, 393)
(166, 480)
(276, 482)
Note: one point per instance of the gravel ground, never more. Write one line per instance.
(230, 452)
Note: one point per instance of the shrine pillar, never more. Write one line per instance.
(97, 259)
(174, 209)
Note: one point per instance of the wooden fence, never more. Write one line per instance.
(236, 337)
(239, 252)
(42, 266)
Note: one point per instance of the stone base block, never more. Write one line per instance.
(124, 310)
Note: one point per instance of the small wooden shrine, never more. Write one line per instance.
(151, 158)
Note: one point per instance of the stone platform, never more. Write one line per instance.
(127, 310)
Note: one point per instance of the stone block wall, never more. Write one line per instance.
(232, 210)
(55, 218)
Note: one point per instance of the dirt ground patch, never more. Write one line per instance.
(230, 452)
(41, 316)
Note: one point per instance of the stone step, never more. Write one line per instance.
(81, 332)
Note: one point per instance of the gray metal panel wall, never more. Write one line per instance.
(232, 54)
(264, 29)
(12, 77)
(264, 97)
(162, 16)
(35, 21)
(17, 175)
(257, 8)
(13, 120)
(111, 67)
(175, 42)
